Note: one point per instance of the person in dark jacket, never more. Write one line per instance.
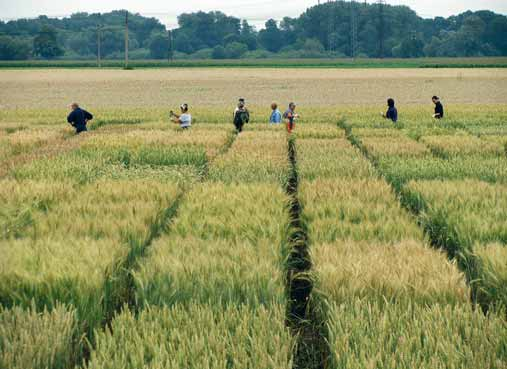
(392, 112)
(78, 118)
(241, 115)
(439, 108)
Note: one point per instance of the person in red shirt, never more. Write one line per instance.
(291, 117)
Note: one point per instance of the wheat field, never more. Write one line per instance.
(353, 243)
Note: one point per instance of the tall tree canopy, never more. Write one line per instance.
(340, 28)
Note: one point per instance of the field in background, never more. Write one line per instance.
(220, 88)
(353, 244)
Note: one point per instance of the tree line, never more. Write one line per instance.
(336, 29)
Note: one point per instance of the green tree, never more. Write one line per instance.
(271, 38)
(433, 48)
(183, 42)
(410, 47)
(219, 52)
(12, 49)
(312, 48)
(159, 46)
(45, 44)
(79, 43)
(499, 34)
(235, 50)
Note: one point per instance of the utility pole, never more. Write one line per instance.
(99, 41)
(126, 40)
(353, 29)
(381, 29)
(170, 51)
(331, 27)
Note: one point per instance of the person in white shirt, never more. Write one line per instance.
(184, 119)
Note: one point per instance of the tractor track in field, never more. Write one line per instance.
(442, 235)
(312, 350)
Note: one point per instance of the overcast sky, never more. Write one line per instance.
(257, 11)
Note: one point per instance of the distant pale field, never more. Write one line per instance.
(54, 89)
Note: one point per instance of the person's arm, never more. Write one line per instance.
(87, 115)
(70, 118)
(175, 118)
(247, 116)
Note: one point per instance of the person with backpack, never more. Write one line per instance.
(276, 116)
(291, 117)
(241, 115)
(392, 112)
(184, 119)
(439, 108)
(78, 118)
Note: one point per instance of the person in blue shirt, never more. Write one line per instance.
(392, 112)
(276, 116)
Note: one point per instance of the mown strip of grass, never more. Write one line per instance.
(500, 62)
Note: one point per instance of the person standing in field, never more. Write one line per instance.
(392, 112)
(291, 116)
(276, 116)
(184, 119)
(439, 108)
(241, 115)
(78, 118)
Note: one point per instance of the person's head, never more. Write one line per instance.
(274, 106)
(390, 103)
(292, 106)
(435, 99)
(184, 108)
(241, 101)
(241, 104)
(74, 106)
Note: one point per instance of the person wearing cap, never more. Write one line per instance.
(392, 112)
(291, 117)
(241, 115)
(276, 116)
(78, 118)
(439, 108)
(184, 119)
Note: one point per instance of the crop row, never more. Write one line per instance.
(387, 298)
(73, 239)
(212, 289)
(456, 186)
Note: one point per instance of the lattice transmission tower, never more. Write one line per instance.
(381, 27)
(353, 29)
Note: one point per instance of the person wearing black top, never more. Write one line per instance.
(439, 108)
(78, 118)
(392, 112)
